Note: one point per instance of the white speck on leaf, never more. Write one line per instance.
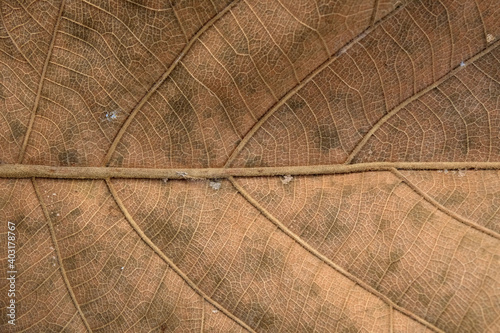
(215, 185)
(445, 171)
(165, 180)
(122, 268)
(182, 173)
(490, 38)
(461, 173)
(215, 311)
(462, 64)
(286, 179)
(110, 116)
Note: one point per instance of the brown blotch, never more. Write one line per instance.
(260, 319)
(80, 31)
(347, 326)
(395, 257)
(17, 129)
(302, 41)
(75, 212)
(418, 215)
(68, 157)
(348, 190)
(456, 198)
(315, 290)
(383, 225)
(171, 324)
(70, 263)
(328, 137)
(296, 103)
(424, 299)
(75, 79)
(254, 161)
(333, 226)
(117, 161)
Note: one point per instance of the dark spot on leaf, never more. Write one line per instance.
(423, 299)
(75, 212)
(296, 103)
(302, 42)
(346, 325)
(118, 161)
(418, 215)
(80, 31)
(70, 264)
(68, 157)
(328, 137)
(17, 129)
(315, 290)
(383, 225)
(348, 190)
(395, 257)
(456, 198)
(181, 106)
(259, 318)
(254, 161)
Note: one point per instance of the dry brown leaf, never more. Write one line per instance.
(262, 166)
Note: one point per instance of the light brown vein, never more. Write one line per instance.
(295, 89)
(160, 81)
(40, 85)
(443, 209)
(58, 254)
(167, 260)
(327, 261)
(374, 12)
(412, 98)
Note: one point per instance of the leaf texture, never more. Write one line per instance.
(251, 166)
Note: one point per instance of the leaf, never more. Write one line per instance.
(261, 166)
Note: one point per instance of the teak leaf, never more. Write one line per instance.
(250, 166)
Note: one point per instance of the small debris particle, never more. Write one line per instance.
(51, 248)
(111, 115)
(165, 180)
(439, 171)
(461, 173)
(53, 194)
(490, 38)
(445, 171)
(462, 64)
(57, 214)
(215, 311)
(182, 173)
(122, 268)
(286, 179)
(215, 185)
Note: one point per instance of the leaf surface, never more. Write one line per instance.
(251, 166)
